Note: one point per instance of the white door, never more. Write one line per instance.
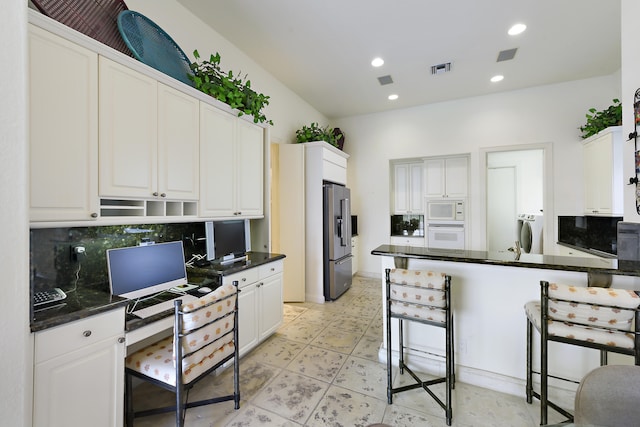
(501, 208)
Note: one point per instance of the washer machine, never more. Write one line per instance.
(530, 232)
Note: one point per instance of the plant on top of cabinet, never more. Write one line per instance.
(232, 90)
(599, 120)
(314, 132)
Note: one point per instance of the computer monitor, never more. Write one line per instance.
(139, 271)
(227, 241)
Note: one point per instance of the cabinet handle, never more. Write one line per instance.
(244, 279)
(259, 284)
(163, 195)
(121, 340)
(155, 193)
(273, 269)
(94, 215)
(86, 333)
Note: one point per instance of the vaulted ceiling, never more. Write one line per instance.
(322, 49)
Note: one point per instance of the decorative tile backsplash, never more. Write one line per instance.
(53, 262)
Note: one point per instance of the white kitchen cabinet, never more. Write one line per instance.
(303, 168)
(407, 188)
(148, 138)
(603, 181)
(63, 129)
(78, 373)
(355, 256)
(446, 177)
(260, 304)
(407, 241)
(231, 165)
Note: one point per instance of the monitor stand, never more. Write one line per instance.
(230, 259)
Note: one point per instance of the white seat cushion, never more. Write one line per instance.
(156, 361)
(419, 278)
(612, 338)
(204, 345)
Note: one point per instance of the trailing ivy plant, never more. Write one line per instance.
(599, 120)
(314, 132)
(231, 89)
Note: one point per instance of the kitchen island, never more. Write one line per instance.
(489, 291)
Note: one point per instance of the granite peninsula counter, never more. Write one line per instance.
(489, 291)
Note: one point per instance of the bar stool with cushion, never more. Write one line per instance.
(600, 318)
(423, 297)
(204, 338)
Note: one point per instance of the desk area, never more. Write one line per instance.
(87, 337)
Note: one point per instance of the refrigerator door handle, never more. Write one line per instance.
(342, 222)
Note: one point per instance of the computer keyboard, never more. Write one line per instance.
(154, 309)
(50, 295)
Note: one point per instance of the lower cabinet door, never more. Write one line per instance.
(248, 318)
(81, 388)
(270, 305)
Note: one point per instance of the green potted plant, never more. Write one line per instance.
(599, 120)
(233, 90)
(314, 132)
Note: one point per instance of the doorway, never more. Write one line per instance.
(501, 208)
(518, 179)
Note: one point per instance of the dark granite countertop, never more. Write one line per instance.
(85, 302)
(204, 276)
(79, 304)
(509, 259)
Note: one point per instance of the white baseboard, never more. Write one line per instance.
(560, 392)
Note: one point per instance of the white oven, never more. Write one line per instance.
(445, 236)
(445, 210)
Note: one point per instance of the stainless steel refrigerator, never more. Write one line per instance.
(337, 240)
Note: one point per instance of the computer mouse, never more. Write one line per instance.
(204, 290)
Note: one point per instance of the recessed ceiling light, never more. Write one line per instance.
(377, 62)
(393, 97)
(497, 78)
(516, 29)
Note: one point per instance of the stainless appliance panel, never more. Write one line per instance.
(337, 240)
(339, 275)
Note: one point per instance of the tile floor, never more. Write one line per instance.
(321, 369)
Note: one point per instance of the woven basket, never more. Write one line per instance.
(94, 18)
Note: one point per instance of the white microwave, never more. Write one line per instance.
(445, 210)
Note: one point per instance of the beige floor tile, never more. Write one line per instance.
(318, 363)
(363, 376)
(292, 396)
(252, 416)
(300, 331)
(368, 348)
(342, 407)
(336, 340)
(277, 351)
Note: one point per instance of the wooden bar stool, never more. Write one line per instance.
(605, 319)
(423, 297)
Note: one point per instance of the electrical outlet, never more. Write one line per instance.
(75, 251)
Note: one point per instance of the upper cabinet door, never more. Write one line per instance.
(178, 144)
(447, 177)
(217, 165)
(456, 177)
(128, 132)
(603, 181)
(250, 161)
(63, 129)
(407, 188)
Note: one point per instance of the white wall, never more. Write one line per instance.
(16, 352)
(546, 114)
(286, 109)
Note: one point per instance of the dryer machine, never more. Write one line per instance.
(530, 232)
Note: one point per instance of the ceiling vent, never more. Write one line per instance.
(507, 55)
(385, 80)
(440, 68)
